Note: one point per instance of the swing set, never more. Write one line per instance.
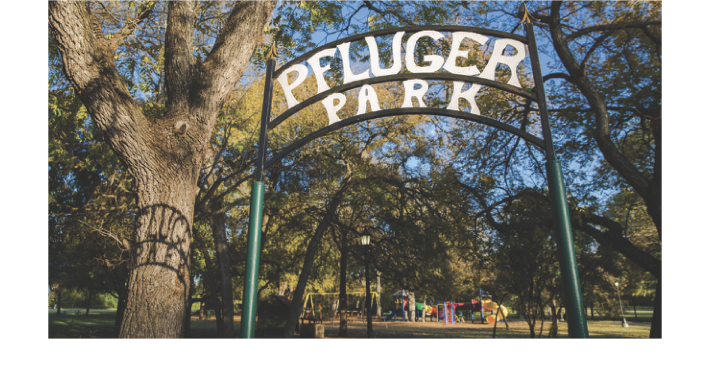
(321, 306)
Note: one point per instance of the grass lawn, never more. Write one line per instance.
(518, 329)
(643, 314)
(76, 326)
(73, 325)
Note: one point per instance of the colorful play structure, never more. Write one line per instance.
(449, 311)
(319, 307)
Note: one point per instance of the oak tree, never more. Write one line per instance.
(163, 153)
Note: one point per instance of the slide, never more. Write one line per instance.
(426, 308)
(493, 307)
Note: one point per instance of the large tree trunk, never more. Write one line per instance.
(220, 239)
(163, 155)
(159, 284)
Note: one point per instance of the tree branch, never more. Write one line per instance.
(652, 37)
(597, 43)
(89, 66)
(557, 75)
(401, 18)
(179, 60)
(143, 13)
(601, 131)
(612, 27)
(232, 50)
(584, 221)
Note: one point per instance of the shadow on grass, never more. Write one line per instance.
(101, 326)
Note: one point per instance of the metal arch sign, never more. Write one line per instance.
(415, 88)
(414, 81)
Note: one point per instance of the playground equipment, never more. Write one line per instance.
(500, 312)
(484, 304)
(321, 306)
(449, 311)
(401, 304)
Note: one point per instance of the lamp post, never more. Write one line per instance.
(623, 319)
(365, 241)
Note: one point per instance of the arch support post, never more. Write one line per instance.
(256, 213)
(251, 275)
(577, 317)
(571, 286)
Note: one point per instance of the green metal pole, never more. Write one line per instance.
(571, 286)
(577, 320)
(248, 324)
(256, 213)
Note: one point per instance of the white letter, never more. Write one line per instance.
(511, 61)
(331, 108)
(348, 75)
(436, 61)
(318, 71)
(456, 53)
(302, 71)
(410, 92)
(396, 56)
(367, 94)
(469, 95)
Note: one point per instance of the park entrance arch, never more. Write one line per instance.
(415, 86)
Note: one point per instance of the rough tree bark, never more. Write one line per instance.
(163, 155)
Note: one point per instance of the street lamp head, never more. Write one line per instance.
(616, 284)
(365, 238)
